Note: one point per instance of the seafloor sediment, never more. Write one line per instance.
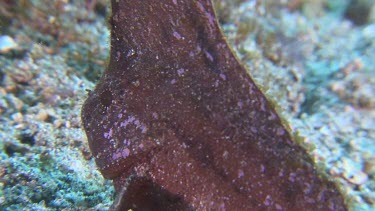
(311, 58)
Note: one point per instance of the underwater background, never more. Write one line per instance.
(315, 59)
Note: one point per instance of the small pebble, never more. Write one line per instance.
(358, 178)
(67, 124)
(15, 102)
(57, 123)
(42, 115)
(3, 105)
(17, 117)
(6, 44)
(369, 167)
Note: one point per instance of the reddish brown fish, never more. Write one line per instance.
(178, 124)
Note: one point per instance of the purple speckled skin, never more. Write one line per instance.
(178, 124)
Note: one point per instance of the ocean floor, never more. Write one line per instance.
(314, 59)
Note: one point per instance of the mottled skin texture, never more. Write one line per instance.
(177, 123)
